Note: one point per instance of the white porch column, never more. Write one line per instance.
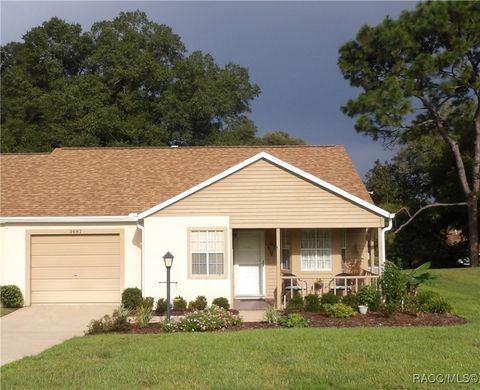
(371, 247)
(278, 268)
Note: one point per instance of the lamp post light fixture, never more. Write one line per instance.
(168, 259)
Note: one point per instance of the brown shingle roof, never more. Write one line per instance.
(119, 181)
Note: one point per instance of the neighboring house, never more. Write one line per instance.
(79, 225)
(454, 237)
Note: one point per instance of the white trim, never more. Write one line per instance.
(142, 255)
(276, 161)
(106, 218)
(382, 255)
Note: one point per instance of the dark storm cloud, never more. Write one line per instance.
(290, 48)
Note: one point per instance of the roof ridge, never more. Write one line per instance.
(26, 154)
(196, 147)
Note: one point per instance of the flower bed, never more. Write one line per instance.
(320, 320)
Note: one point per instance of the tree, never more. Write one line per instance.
(419, 76)
(279, 137)
(128, 81)
(408, 183)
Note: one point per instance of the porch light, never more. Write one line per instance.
(168, 259)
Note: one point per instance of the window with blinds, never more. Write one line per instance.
(207, 249)
(316, 252)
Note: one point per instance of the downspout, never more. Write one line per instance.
(384, 230)
(142, 257)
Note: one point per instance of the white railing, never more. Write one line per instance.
(320, 286)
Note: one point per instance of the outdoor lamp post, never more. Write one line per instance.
(168, 259)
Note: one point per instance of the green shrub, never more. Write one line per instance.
(11, 296)
(312, 303)
(161, 306)
(221, 302)
(338, 310)
(213, 318)
(394, 283)
(273, 316)
(427, 302)
(120, 319)
(117, 322)
(295, 320)
(131, 298)
(168, 326)
(437, 305)
(387, 309)
(425, 296)
(179, 304)
(294, 305)
(410, 304)
(199, 303)
(143, 315)
(147, 303)
(369, 296)
(350, 300)
(102, 325)
(330, 298)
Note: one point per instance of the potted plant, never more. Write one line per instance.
(363, 309)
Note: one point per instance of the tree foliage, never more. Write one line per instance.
(128, 81)
(419, 77)
(420, 171)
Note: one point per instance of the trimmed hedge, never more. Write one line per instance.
(221, 302)
(179, 304)
(11, 296)
(132, 298)
(312, 303)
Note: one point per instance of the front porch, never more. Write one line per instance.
(271, 265)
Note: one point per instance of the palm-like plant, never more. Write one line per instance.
(418, 276)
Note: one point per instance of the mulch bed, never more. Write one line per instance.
(377, 319)
(319, 320)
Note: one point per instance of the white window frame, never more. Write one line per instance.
(321, 254)
(191, 252)
(285, 246)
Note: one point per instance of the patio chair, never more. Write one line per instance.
(293, 285)
(341, 284)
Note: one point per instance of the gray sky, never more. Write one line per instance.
(290, 48)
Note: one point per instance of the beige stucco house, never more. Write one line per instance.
(78, 225)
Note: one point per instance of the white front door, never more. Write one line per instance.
(249, 260)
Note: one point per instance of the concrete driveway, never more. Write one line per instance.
(31, 330)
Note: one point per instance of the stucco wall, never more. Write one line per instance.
(13, 242)
(164, 234)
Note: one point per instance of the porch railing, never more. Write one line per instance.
(319, 286)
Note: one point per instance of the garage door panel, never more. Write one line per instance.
(75, 273)
(75, 296)
(75, 268)
(75, 284)
(94, 248)
(84, 238)
(74, 260)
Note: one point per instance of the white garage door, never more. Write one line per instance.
(75, 268)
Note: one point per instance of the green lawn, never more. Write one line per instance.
(6, 310)
(356, 358)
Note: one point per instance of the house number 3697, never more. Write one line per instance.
(75, 231)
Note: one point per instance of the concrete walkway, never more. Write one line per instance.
(33, 329)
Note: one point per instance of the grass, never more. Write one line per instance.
(355, 358)
(6, 310)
